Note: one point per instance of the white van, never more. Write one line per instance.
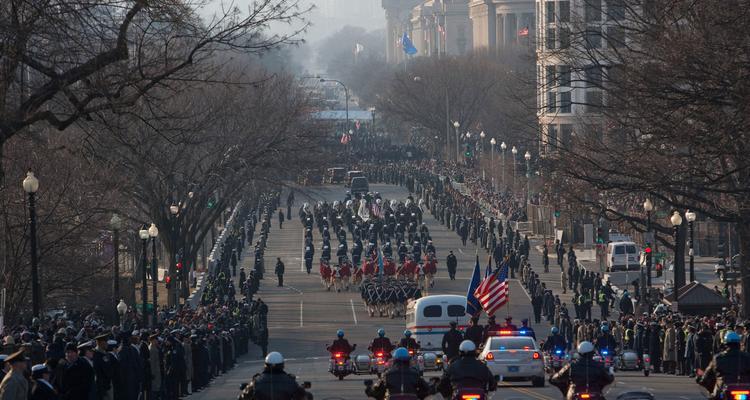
(428, 318)
(622, 256)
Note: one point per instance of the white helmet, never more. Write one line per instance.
(467, 346)
(274, 358)
(585, 348)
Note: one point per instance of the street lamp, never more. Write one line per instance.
(346, 94)
(173, 211)
(690, 216)
(492, 161)
(30, 186)
(153, 232)
(679, 275)
(514, 150)
(503, 146)
(527, 157)
(648, 206)
(116, 224)
(143, 234)
(456, 125)
(481, 152)
(122, 308)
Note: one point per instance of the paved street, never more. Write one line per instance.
(304, 317)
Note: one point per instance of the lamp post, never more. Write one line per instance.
(481, 151)
(503, 146)
(527, 157)
(173, 211)
(468, 137)
(492, 161)
(514, 150)
(456, 125)
(116, 224)
(690, 216)
(143, 234)
(648, 207)
(30, 186)
(153, 232)
(346, 94)
(679, 272)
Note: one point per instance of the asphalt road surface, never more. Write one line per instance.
(303, 317)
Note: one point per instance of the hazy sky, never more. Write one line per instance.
(328, 17)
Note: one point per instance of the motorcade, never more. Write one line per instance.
(514, 357)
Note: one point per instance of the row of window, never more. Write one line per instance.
(559, 11)
(561, 102)
(593, 38)
(560, 76)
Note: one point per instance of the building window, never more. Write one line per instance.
(565, 103)
(550, 12)
(550, 39)
(563, 13)
(564, 37)
(552, 136)
(564, 75)
(550, 73)
(593, 76)
(594, 101)
(594, 37)
(551, 101)
(593, 10)
(615, 37)
(566, 134)
(616, 10)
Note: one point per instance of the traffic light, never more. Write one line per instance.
(599, 235)
(179, 270)
(467, 153)
(557, 213)
(168, 281)
(649, 254)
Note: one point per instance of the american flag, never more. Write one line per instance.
(345, 138)
(493, 291)
(523, 31)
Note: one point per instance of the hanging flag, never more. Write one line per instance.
(408, 45)
(473, 306)
(492, 293)
(358, 48)
(345, 138)
(523, 31)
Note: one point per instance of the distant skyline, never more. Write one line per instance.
(328, 17)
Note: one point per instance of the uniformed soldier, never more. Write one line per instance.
(103, 369)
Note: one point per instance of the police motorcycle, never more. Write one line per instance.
(341, 363)
(594, 385)
(378, 360)
(728, 374)
(555, 356)
(274, 383)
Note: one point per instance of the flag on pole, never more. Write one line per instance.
(380, 263)
(408, 46)
(345, 138)
(473, 306)
(492, 293)
(523, 31)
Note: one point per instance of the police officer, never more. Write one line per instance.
(555, 341)
(399, 379)
(341, 345)
(582, 373)
(466, 372)
(451, 263)
(408, 342)
(475, 332)
(451, 341)
(274, 383)
(381, 343)
(731, 366)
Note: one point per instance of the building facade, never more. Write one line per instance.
(502, 24)
(436, 27)
(570, 79)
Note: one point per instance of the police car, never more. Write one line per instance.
(514, 356)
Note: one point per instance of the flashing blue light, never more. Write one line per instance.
(741, 397)
(523, 332)
(605, 352)
(502, 347)
(558, 351)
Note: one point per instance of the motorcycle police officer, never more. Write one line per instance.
(582, 373)
(274, 383)
(399, 379)
(555, 341)
(381, 343)
(731, 366)
(408, 342)
(466, 372)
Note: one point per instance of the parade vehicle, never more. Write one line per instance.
(556, 359)
(622, 256)
(429, 318)
(514, 356)
(629, 361)
(608, 358)
(359, 186)
(336, 175)
(351, 175)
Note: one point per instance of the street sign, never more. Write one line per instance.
(149, 306)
